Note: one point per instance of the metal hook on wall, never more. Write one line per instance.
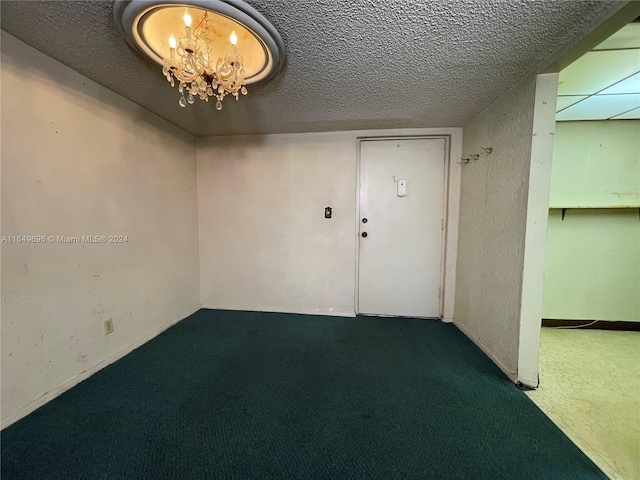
(473, 157)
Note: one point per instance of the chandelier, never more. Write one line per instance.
(199, 72)
(209, 48)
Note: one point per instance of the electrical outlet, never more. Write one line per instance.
(108, 326)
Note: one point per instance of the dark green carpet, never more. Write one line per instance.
(260, 395)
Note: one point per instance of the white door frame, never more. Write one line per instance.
(445, 213)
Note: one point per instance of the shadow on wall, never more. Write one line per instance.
(78, 87)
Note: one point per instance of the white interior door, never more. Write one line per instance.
(400, 232)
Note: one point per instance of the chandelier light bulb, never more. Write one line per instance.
(197, 71)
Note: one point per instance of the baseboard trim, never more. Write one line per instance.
(293, 312)
(513, 376)
(446, 320)
(50, 395)
(592, 324)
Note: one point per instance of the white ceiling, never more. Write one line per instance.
(351, 64)
(604, 84)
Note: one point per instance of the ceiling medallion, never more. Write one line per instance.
(209, 48)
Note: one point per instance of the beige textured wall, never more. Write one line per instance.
(592, 266)
(264, 242)
(79, 160)
(596, 164)
(592, 269)
(493, 213)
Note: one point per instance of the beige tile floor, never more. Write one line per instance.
(590, 388)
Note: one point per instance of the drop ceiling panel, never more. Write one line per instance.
(596, 71)
(599, 107)
(567, 101)
(627, 37)
(630, 85)
(630, 115)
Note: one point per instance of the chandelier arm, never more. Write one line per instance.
(203, 19)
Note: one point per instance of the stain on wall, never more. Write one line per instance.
(79, 161)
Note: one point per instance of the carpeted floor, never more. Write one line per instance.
(260, 395)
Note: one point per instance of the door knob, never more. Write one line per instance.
(364, 220)
(364, 234)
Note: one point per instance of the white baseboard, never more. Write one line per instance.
(446, 320)
(513, 376)
(50, 395)
(332, 313)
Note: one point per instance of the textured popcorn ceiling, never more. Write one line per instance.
(352, 64)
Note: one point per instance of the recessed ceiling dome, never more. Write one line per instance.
(211, 48)
(147, 24)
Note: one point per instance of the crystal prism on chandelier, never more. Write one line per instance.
(198, 72)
